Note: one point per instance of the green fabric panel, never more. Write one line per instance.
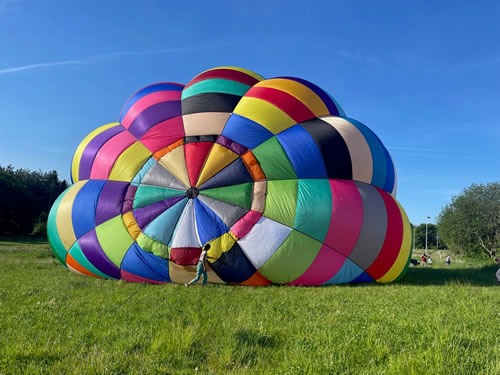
(54, 240)
(77, 254)
(114, 239)
(274, 161)
(281, 201)
(292, 258)
(403, 272)
(314, 208)
(239, 195)
(224, 86)
(151, 246)
(151, 194)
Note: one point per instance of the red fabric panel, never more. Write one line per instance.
(233, 75)
(393, 238)
(185, 255)
(163, 134)
(130, 277)
(289, 104)
(196, 154)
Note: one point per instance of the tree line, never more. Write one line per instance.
(26, 198)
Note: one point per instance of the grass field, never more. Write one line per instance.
(439, 320)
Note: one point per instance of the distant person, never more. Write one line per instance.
(201, 267)
(448, 260)
(423, 258)
(429, 261)
(497, 259)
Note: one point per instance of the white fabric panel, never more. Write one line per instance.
(144, 170)
(263, 240)
(185, 234)
(228, 213)
(158, 175)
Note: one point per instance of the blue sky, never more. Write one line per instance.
(425, 76)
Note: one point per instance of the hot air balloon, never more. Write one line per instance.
(271, 172)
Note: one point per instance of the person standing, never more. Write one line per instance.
(448, 260)
(497, 259)
(429, 260)
(201, 267)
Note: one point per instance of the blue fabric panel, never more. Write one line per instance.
(303, 153)
(233, 266)
(234, 174)
(162, 228)
(363, 278)
(378, 154)
(144, 170)
(349, 272)
(209, 225)
(391, 174)
(84, 207)
(246, 132)
(144, 264)
(146, 91)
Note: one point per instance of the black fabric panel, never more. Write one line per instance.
(233, 266)
(209, 102)
(200, 138)
(332, 147)
(234, 174)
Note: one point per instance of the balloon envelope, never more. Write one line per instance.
(271, 172)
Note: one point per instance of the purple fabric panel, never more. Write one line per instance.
(110, 201)
(232, 145)
(93, 252)
(154, 115)
(128, 201)
(330, 104)
(145, 215)
(93, 147)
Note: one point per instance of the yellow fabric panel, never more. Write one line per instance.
(404, 252)
(174, 161)
(259, 196)
(299, 91)
(243, 70)
(64, 223)
(133, 229)
(220, 245)
(218, 158)
(264, 113)
(130, 162)
(79, 150)
(184, 274)
(361, 156)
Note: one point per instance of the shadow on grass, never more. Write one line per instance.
(478, 276)
(27, 239)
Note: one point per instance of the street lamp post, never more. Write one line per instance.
(426, 223)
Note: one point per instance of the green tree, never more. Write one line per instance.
(26, 197)
(470, 224)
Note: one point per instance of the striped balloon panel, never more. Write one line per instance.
(270, 172)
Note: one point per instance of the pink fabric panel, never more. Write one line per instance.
(243, 226)
(347, 216)
(109, 152)
(130, 277)
(163, 134)
(327, 263)
(148, 101)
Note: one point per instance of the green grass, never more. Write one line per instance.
(439, 320)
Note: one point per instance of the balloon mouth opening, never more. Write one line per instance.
(192, 192)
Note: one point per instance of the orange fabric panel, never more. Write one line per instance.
(256, 280)
(253, 166)
(159, 154)
(70, 261)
